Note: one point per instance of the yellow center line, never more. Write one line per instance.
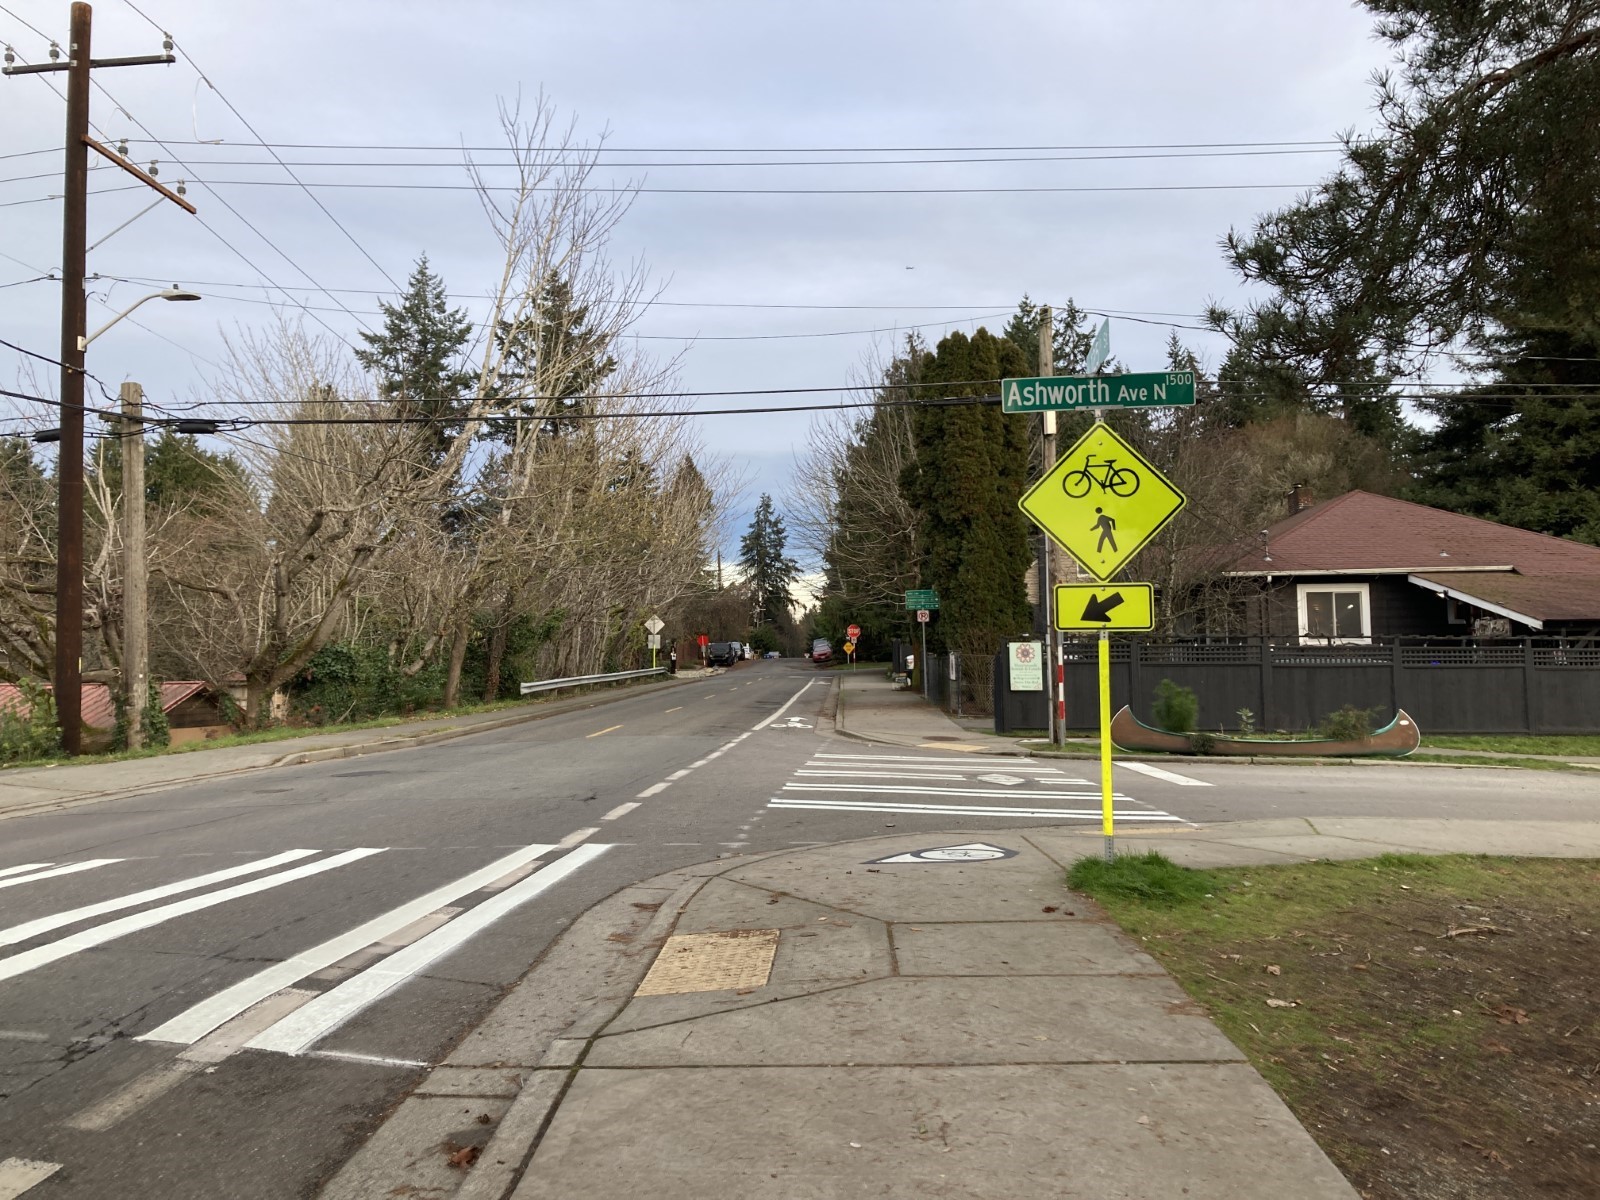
(598, 732)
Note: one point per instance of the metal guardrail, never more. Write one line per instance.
(550, 685)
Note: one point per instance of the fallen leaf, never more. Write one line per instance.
(1494, 1047)
(1358, 966)
(464, 1157)
(1143, 1120)
(485, 1119)
(1274, 969)
(1274, 1003)
(1050, 908)
(1508, 1015)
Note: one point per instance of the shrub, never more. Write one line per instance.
(1247, 722)
(1176, 708)
(1202, 742)
(35, 735)
(1348, 724)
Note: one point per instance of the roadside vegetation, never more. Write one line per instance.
(1430, 1020)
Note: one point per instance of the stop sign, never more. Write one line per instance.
(854, 631)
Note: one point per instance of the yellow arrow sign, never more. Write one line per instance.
(1105, 606)
(1102, 502)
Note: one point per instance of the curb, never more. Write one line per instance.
(295, 758)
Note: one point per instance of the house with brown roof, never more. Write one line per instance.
(193, 711)
(1363, 568)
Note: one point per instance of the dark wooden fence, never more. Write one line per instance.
(1530, 686)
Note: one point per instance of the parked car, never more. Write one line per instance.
(821, 651)
(738, 651)
(772, 654)
(722, 654)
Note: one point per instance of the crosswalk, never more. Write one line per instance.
(953, 787)
(315, 990)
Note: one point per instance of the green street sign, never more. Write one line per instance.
(922, 598)
(1156, 389)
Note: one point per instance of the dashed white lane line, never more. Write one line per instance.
(312, 1022)
(17, 1175)
(96, 935)
(672, 710)
(196, 1022)
(677, 775)
(598, 732)
(1159, 773)
(69, 869)
(576, 836)
(29, 929)
(655, 789)
(621, 810)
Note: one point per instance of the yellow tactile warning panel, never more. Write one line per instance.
(710, 962)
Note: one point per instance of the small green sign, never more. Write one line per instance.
(922, 598)
(1157, 389)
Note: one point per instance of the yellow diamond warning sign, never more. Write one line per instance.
(1102, 502)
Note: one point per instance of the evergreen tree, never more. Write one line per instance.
(178, 472)
(770, 573)
(1523, 447)
(558, 357)
(971, 467)
(417, 356)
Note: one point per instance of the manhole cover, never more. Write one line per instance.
(711, 962)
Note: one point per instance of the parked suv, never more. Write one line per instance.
(821, 651)
(722, 654)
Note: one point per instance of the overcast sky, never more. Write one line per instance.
(711, 81)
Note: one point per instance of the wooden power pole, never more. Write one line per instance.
(135, 579)
(68, 672)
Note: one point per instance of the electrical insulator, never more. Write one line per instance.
(180, 189)
(11, 56)
(166, 42)
(55, 52)
(122, 147)
(154, 169)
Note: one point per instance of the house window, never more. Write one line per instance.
(1455, 612)
(1334, 614)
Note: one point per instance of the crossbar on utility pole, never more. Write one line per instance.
(67, 675)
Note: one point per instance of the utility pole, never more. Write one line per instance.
(135, 579)
(1047, 591)
(67, 678)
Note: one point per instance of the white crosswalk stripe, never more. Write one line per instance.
(54, 872)
(906, 784)
(97, 935)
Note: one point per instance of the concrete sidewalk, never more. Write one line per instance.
(34, 789)
(822, 1023)
(873, 709)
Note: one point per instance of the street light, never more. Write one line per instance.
(172, 293)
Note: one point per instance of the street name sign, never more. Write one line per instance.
(1102, 502)
(1082, 606)
(1158, 389)
(1099, 349)
(922, 598)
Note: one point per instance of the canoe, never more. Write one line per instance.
(1395, 740)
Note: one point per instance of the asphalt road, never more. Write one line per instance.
(219, 990)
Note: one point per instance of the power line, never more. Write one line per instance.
(715, 191)
(1328, 142)
(221, 96)
(457, 164)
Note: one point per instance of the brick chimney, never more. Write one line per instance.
(1300, 498)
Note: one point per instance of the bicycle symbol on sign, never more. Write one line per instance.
(1119, 481)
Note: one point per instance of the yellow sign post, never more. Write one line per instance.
(1102, 502)
(1127, 606)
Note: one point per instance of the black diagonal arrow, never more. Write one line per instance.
(1100, 610)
